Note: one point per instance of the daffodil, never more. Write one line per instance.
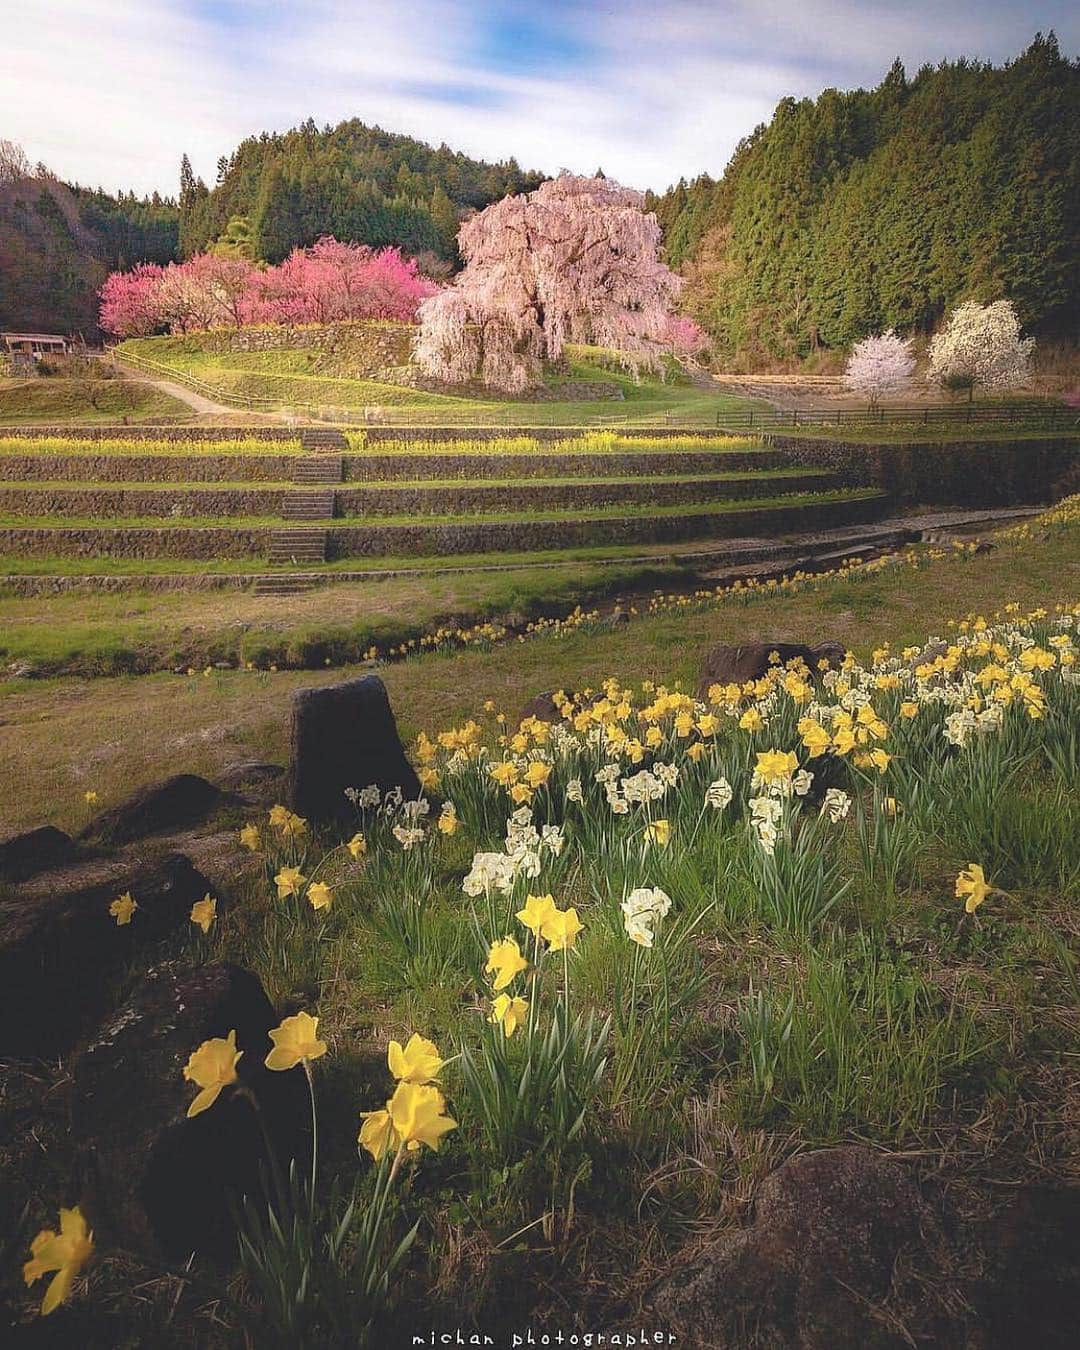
(65, 1252)
(504, 962)
(295, 1041)
(319, 895)
(417, 1114)
(560, 929)
(204, 912)
(90, 797)
(537, 774)
(212, 1067)
(508, 1013)
(448, 819)
(418, 1062)
(971, 882)
(357, 846)
(289, 881)
(377, 1132)
(538, 908)
(658, 832)
(122, 908)
(250, 837)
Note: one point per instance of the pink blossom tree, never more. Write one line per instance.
(880, 365)
(575, 261)
(130, 306)
(328, 281)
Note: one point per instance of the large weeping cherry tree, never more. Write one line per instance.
(575, 261)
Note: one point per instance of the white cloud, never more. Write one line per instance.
(114, 91)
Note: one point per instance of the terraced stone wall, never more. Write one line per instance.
(118, 468)
(949, 473)
(378, 467)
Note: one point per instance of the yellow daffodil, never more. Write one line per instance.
(90, 797)
(250, 838)
(658, 832)
(377, 1133)
(65, 1252)
(560, 929)
(504, 962)
(448, 819)
(319, 895)
(289, 881)
(751, 720)
(417, 1115)
(295, 1041)
(204, 912)
(508, 1013)
(521, 793)
(909, 710)
(971, 882)
(775, 766)
(505, 774)
(537, 774)
(357, 846)
(279, 815)
(537, 910)
(418, 1062)
(212, 1067)
(122, 908)
(814, 736)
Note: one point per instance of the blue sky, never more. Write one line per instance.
(112, 92)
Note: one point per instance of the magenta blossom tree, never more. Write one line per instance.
(575, 261)
(129, 302)
(879, 366)
(326, 282)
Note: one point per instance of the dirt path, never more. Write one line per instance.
(196, 402)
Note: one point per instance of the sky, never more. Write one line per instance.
(111, 93)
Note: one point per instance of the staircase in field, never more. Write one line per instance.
(323, 438)
(303, 541)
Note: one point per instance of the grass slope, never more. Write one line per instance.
(49, 400)
(62, 736)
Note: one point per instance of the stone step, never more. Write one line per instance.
(323, 438)
(298, 545)
(292, 584)
(322, 468)
(308, 504)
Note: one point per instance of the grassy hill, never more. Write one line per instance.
(596, 388)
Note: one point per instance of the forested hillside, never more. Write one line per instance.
(58, 243)
(868, 209)
(355, 182)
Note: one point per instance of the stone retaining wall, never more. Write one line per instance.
(478, 536)
(539, 496)
(105, 502)
(118, 468)
(364, 345)
(948, 473)
(136, 541)
(526, 536)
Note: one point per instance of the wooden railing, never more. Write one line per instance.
(1056, 416)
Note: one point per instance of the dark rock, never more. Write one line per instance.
(737, 665)
(847, 1251)
(156, 1181)
(61, 952)
(542, 707)
(24, 855)
(828, 1229)
(344, 736)
(252, 774)
(174, 804)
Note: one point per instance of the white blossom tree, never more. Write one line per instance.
(981, 345)
(575, 261)
(880, 365)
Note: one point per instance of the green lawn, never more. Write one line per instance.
(53, 399)
(288, 379)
